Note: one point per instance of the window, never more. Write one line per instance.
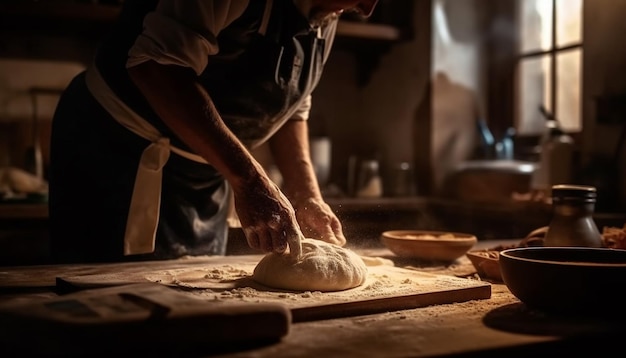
(549, 64)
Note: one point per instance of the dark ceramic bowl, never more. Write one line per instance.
(571, 280)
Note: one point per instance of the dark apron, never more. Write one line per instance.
(94, 159)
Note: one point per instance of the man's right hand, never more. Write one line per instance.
(267, 217)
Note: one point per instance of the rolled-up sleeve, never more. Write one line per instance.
(184, 32)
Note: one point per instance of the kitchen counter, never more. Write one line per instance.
(485, 327)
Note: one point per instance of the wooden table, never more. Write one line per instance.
(495, 326)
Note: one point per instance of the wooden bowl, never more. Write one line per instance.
(486, 263)
(572, 280)
(428, 245)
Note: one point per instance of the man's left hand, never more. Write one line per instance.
(317, 221)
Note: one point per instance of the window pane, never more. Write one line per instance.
(534, 90)
(536, 24)
(568, 89)
(568, 22)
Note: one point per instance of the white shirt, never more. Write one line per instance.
(184, 33)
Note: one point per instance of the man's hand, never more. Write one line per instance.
(290, 149)
(319, 222)
(267, 218)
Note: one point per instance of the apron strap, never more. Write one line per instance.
(145, 204)
(144, 210)
(266, 17)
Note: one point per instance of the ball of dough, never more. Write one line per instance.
(321, 267)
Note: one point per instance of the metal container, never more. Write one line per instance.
(572, 223)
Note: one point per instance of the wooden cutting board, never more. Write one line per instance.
(228, 279)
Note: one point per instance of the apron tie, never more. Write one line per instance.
(143, 214)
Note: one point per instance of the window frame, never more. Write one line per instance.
(551, 53)
(503, 60)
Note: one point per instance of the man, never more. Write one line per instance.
(149, 143)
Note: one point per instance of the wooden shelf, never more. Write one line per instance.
(368, 31)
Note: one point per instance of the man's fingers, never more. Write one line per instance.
(295, 244)
(327, 235)
(265, 240)
(338, 231)
(341, 240)
(279, 241)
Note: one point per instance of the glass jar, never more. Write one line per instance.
(370, 184)
(572, 223)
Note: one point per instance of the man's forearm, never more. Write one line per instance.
(291, 153)
(188, 111)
